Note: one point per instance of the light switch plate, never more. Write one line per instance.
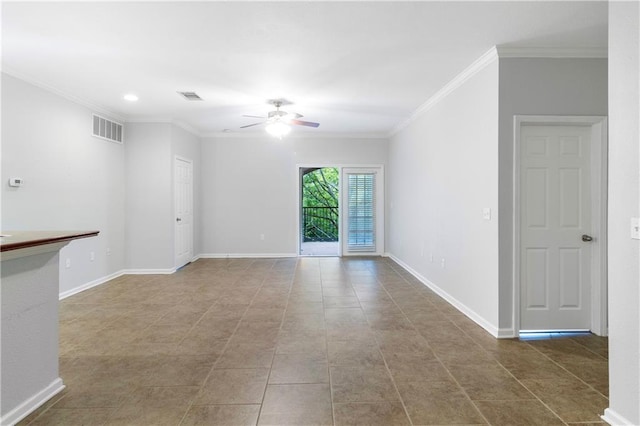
(635, 228)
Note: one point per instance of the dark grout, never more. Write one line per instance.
(223, 276)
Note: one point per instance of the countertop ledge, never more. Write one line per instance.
(16, 240)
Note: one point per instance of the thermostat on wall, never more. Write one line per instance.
(15, 182)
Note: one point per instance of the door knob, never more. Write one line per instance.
(586, 238)
(180, 220)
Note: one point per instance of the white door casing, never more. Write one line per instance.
(183, 206)
(559, 186)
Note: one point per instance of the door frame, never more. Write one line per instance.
(175, 227)
(599, 166)
(299, 167)
(340, 167)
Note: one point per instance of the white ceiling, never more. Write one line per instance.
(355, 67)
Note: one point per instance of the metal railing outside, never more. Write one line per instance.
(320, 224)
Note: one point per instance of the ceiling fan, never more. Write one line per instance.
(278, 122)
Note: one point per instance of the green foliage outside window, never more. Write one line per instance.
(320, 192)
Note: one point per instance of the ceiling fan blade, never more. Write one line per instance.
(305, 123)
(251, 125)
(254, 116)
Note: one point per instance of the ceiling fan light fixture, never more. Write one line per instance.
(278, 129)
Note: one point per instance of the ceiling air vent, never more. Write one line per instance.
(190, 96)
(107, 129)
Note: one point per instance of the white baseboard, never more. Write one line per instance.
(168, 271)
(506, 333)
(90, 284)
(478, 319)
(615, 419)
(245, 255)
(110, 277)
(31, 404)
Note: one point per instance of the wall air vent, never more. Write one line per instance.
(107, 129)
(190, 96)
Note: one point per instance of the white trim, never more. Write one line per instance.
(175, 226)
(615, 419)
(187, 127)
(245, 255)
(506, 333)
(599, 144)
(165, 120)
(299, 206)
(90, 284)
(167, 271)
(31, 404)
(470, 313)
(498, 52)
(301, 135)
(478, 65)
(552, 52)
(61, 93)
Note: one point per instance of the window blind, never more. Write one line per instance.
(361, 212)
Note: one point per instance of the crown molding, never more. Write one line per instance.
(165, 120)
(94, 107)
(342, 136)
(552, 52)
(499, 52)
(479, 64)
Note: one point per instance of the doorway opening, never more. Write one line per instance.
(319, 211)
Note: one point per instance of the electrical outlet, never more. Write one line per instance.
(92, 256)
(431, 258)
(108, 251)
(67, 263)
(486, 213)
(261, 237)
(442, 263)
(635, 228)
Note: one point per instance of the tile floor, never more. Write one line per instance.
(306, 341)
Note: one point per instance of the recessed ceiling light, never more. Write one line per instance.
(130, 97)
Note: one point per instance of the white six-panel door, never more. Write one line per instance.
(555, 213)
(183, 198)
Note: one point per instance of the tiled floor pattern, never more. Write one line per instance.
(306, 341)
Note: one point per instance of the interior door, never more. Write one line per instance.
(362, 211)
(555, 228)
(183, 193)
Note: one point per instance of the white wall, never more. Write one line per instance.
(150, 152)
(187, 145)
(149, 224)
(443, 170)
(538, 87)
(250, 187)
(624, 203)
(73, 181)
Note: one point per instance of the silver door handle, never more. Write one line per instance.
(587, 238)
(178, 219)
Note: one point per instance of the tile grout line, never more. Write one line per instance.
(384, 360)
(221, 353)
(326, 346)
(266, 385)
(438, 358)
